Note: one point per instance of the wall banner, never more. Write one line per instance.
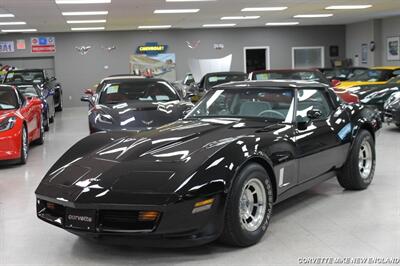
(7, 47)
(43, 44)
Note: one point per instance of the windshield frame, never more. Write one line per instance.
(321, 77)
(22, 72)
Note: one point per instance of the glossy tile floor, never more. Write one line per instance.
(322, 222)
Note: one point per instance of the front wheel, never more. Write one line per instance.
(359, 169)
(249, 207)
(398, 125)
(24, 146)
(59, 108)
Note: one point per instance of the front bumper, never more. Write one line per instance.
(391, 116)
(10, 144)
(176, 226)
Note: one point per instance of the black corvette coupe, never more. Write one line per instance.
(127, 102)
(214, 174)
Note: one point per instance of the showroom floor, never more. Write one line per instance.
(322, 222)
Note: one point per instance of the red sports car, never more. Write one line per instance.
(21, 124)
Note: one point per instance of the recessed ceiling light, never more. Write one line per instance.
(240, 17)
(155, 27)
(88, 28)
(86, 21)
(85, 13)
(344, 7)
(219, 25)
(313, 16)
(282, 23)
(19, 30)
(175, 11)
(7, 15)
(266, 8)
(12, 23)
(63, 2)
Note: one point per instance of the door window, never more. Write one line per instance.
(312, 99)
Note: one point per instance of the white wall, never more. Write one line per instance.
(356, 35)
(390, 28)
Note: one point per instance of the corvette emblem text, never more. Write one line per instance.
(80, 218)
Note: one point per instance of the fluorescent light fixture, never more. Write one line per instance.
(266, 8)
(190, 0)
(88, 28)
(348, 7)
(19, 30)
(175, 11)
(7, 15)
(282, 23)
(240, 17)
(12, 23)
(219, 25)
(313, 16)
(64, 2)
(155, 27)
(86, 21)
(85, 13)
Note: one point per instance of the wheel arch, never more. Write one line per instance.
(267, 166)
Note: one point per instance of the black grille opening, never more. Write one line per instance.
(50, 211)
(121, 220)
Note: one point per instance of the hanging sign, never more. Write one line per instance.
(152, 48)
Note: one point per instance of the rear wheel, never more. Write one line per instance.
(47, 122)
(249, 207)
(59, 108)
(40, 140)
(24, 146)
(359, 169)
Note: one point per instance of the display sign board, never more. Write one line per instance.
(43, 44)
(7, 47)
(152, 48)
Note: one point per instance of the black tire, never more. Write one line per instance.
(350, 176)
(24, 156)
(40, 140)
(234, 232)
(51, 120)
(47, 124)
(398, 125)
(59, 107)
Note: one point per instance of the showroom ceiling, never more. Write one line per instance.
(46, 15)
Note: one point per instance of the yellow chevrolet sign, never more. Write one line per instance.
(152, 49)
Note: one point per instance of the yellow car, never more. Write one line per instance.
(372, 76)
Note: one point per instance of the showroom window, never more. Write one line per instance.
(308, 57)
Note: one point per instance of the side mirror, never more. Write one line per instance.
(28, 98)
(85, 99)
(335, 82)
(314, 114)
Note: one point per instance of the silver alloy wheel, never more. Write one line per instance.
(25, 144)
(252, 206)
(365, 159)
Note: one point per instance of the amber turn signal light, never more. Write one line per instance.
(148, 216)
(50, 206)
(203, 205)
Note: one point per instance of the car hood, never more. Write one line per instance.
(350, 84)
(156, 161)
(136, 115)
(374, 93)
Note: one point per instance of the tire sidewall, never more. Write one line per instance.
(364, 135)
(243, 236)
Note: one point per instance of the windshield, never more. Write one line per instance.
(371, 76)
(214, 80)
(8, 99)
(137, 91)
(24, 76)
(266, 104)
(290, 75)
(28, 91)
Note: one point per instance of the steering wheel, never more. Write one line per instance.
(275, 114)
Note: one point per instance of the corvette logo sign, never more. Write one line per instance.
(43, 45)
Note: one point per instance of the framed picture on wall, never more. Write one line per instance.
(393, 48)
(364, 53)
